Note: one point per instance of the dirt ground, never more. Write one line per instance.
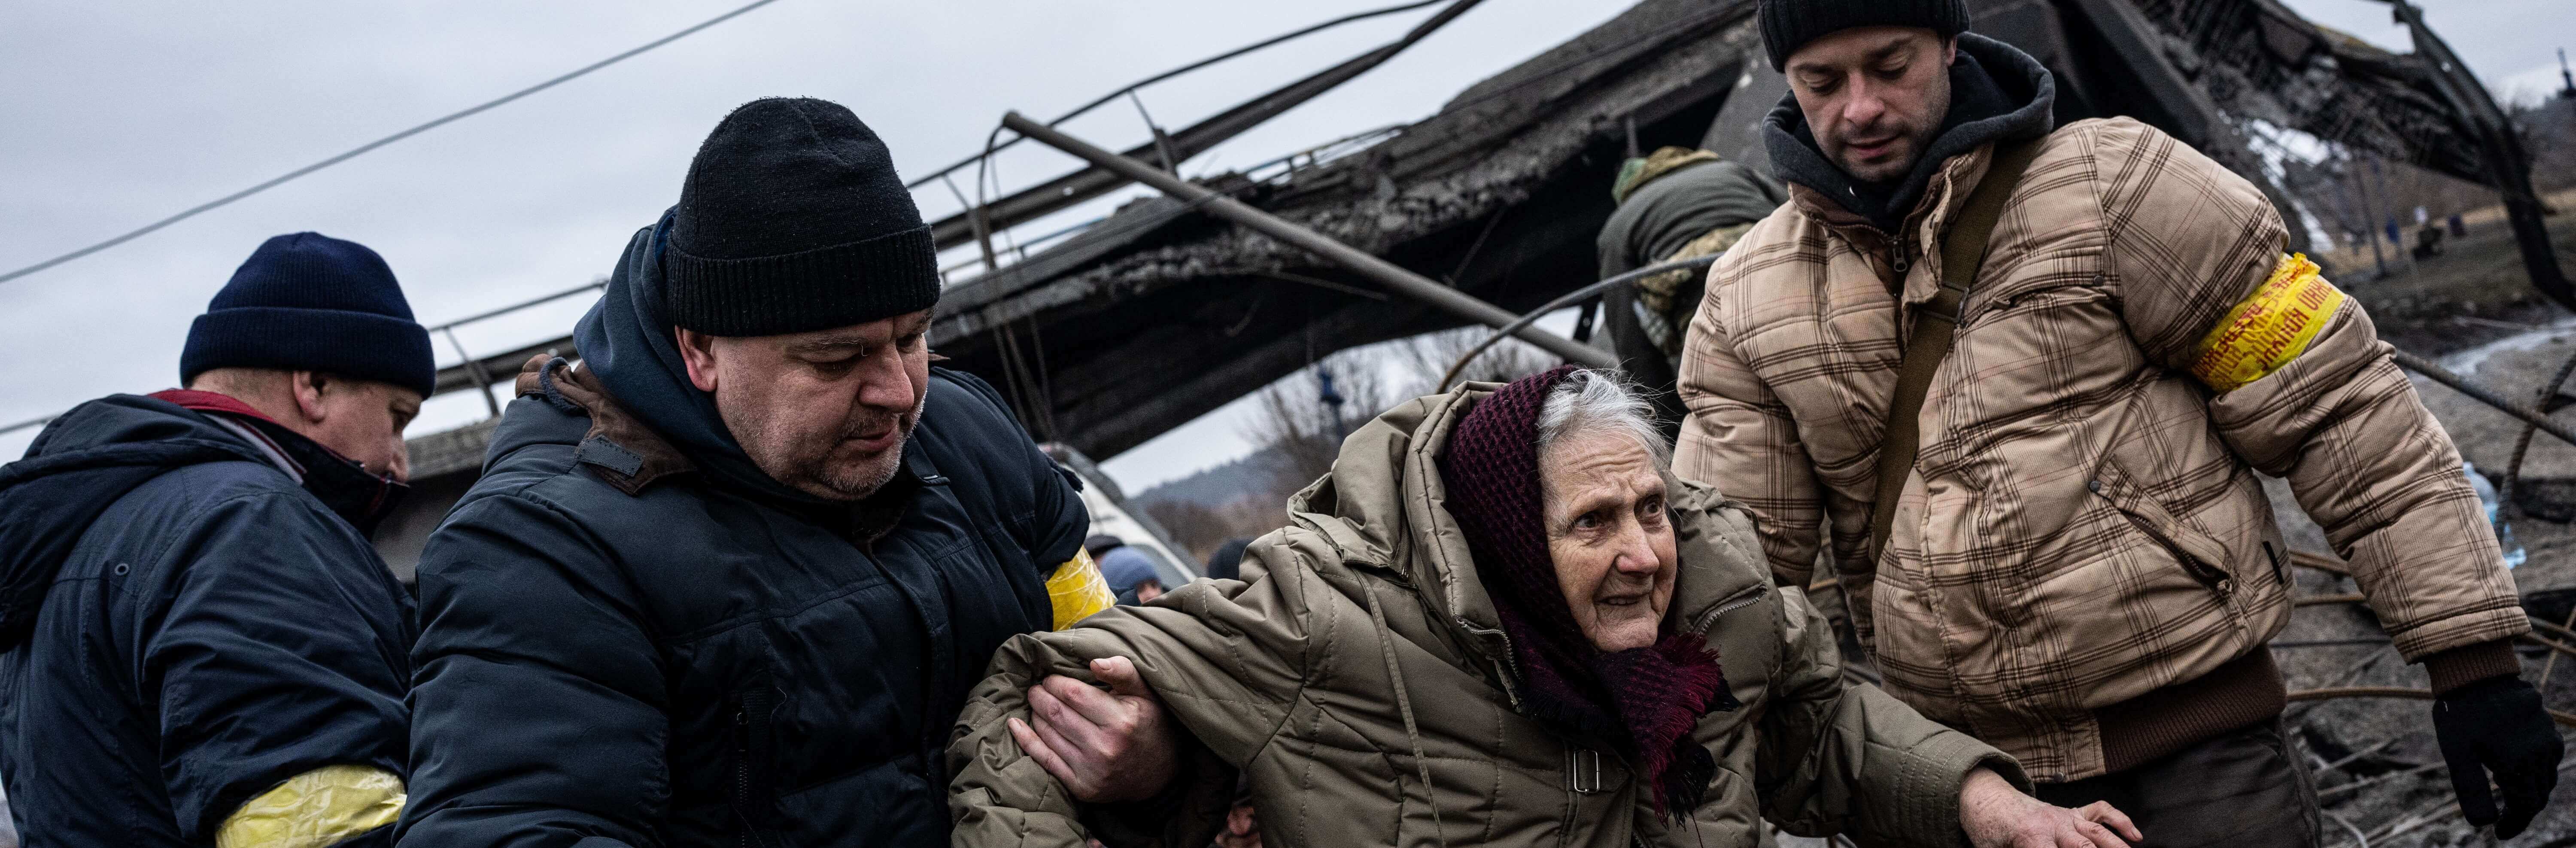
(2474, 310)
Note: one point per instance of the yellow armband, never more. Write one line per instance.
(2269, 328)
(316, 809)
(1078, 590)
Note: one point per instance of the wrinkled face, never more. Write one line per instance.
(1609, 536)
(1874, 96)
(826, 412)
(359, 419)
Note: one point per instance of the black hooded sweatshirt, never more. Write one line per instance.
(184, 625)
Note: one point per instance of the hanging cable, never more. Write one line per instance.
(1122, 92)
(372, 145)
(1562, 300)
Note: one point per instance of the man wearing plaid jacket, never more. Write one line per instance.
(2082, 567)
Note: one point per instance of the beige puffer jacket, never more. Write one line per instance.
(1364, 655)
(2084, 524)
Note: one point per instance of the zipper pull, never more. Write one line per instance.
(1901, 263)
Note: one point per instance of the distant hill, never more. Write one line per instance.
(1253, 475)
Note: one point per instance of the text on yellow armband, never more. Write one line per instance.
(1078, 590)
(2269, 328)
(316, 809)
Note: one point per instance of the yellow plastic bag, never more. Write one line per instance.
(1078, 590)
(316, 809)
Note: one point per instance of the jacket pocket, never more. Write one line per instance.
(2203, 557)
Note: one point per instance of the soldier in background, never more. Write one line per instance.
(1677, 204)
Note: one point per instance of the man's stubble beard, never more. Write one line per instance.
(1919, 140)
(805, 463)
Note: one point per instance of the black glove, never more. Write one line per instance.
(2498, 725)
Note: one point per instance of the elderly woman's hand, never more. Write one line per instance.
(1997, 815)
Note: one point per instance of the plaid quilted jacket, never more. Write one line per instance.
(2084, 524)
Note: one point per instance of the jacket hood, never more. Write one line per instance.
(1997, 93)
(626, 340)
(79, 466)
(1384, 506)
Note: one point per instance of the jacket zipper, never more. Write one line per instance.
(2200, 571)
(742, 773)
(746, 797)
(1741, 599)
(2207, 574)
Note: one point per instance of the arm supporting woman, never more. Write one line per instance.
(1838, 756)
(1226, 660)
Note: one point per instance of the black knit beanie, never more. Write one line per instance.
(793, 220)
(310, 302)
(1789, 24)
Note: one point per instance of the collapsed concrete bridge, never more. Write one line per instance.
(1158, 313)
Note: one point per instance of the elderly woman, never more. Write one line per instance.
(1500, 620)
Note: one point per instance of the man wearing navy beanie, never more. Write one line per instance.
(198, 646)
(732, 578)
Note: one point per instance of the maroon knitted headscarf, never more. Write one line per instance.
(1643, 701)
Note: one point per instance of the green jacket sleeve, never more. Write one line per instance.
(1226, 659)
(1840, 756)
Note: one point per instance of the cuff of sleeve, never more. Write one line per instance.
(1189, 811)
(2468, 664)
(1930, 786)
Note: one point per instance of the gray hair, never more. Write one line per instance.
(1593, 401)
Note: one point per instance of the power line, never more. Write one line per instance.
(953, 167)
(364, 148)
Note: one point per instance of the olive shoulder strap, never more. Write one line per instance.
(1934, 326)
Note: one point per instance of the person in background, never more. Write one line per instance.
(1100, 545)
(1675, 204)
(1131, 575)
(1242, 824)
(1227, 562)
(2428, 240)
(2059, 539)
(729, 579)
(198, 646)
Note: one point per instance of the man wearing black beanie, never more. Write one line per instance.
(197, 644)
(2023, 381)
(730, 578)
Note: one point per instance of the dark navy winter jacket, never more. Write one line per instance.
(629, 636)
(681, 664)
(183, 626)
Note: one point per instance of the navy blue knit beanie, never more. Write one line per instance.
(793, 220)
(310, 302)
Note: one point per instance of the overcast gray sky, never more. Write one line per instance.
(116, 114)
